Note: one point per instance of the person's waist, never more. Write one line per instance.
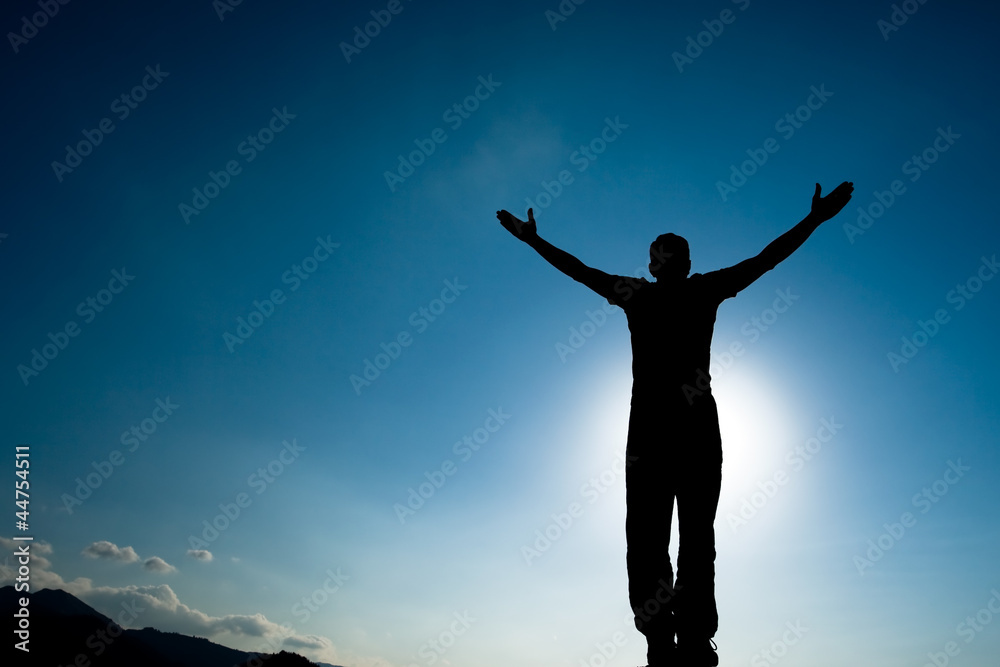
(667, 380)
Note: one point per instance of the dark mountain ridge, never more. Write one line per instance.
(66, 632)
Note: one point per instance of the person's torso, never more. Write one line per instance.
(671, 327)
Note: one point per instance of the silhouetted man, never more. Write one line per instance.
(674, 445)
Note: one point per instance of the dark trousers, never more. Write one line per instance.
(674, 453)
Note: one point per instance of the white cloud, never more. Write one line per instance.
(108, 551)
(506, 163)
(105, 550)
(41, 574)
(160, 608)
(158, 565)
(200, 554)
(309, 641)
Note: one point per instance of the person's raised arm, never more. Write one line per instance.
(740, 276)
(527, 231)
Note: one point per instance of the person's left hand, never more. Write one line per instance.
(824, 208)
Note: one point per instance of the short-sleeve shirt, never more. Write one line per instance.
(671, 325)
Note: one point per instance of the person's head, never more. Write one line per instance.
(669, 257)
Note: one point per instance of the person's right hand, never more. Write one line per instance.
(519, 228)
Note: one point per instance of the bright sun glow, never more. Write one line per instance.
(753, 417)
(756, 432)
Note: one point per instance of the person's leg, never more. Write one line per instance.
(698, 491)
(649, 502)
(697, 501)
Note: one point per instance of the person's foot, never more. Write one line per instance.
(698, 653)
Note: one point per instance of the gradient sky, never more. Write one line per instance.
(798, 538)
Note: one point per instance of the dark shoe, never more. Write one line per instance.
(663, 657)
(698, 654)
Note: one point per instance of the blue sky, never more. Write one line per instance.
(228, 337)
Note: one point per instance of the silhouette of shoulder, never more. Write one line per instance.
(714, 287)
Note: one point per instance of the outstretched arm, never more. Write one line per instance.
(742, 275)
(527, 231)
